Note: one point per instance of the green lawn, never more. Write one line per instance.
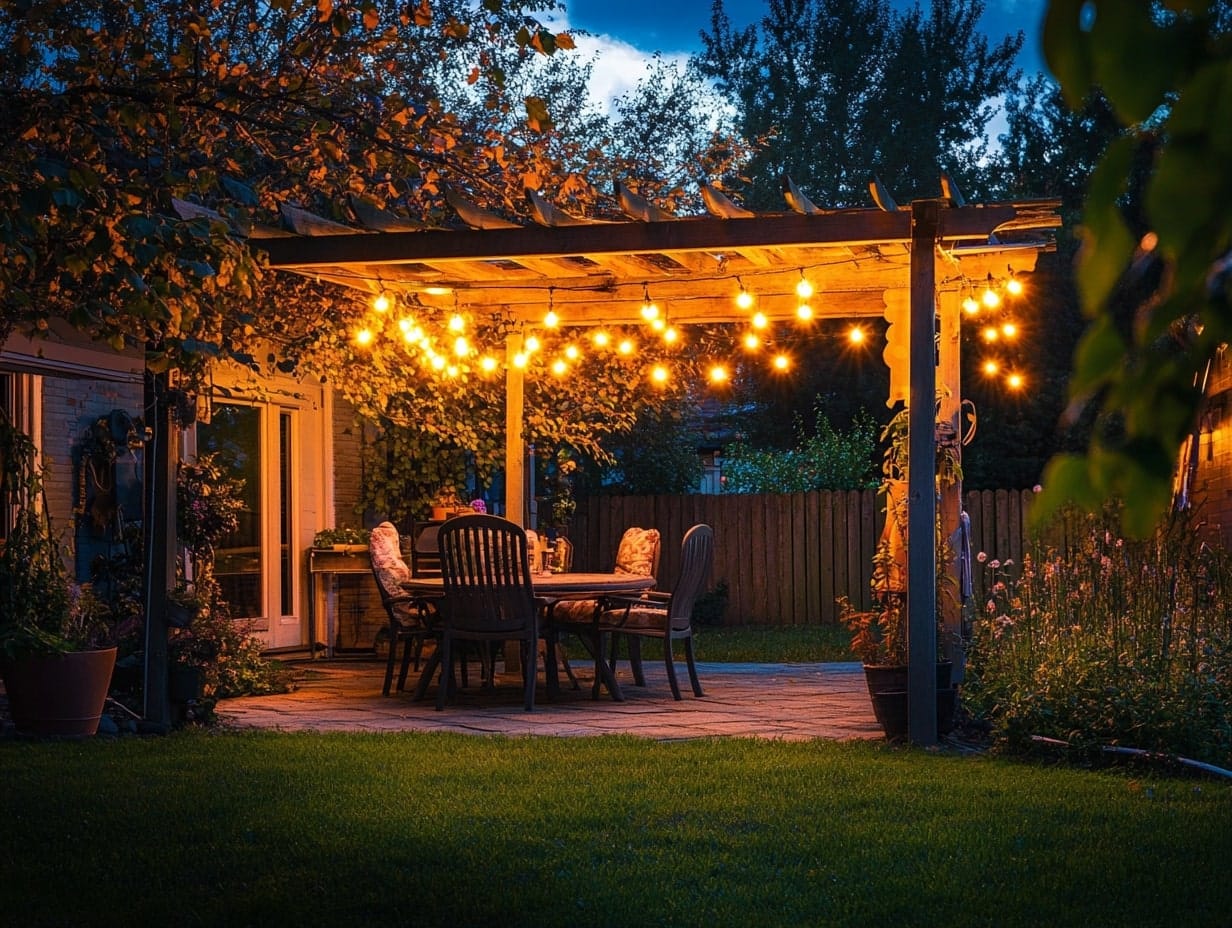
(217, 828)
(769, 643)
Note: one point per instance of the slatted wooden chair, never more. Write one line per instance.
(410, 617)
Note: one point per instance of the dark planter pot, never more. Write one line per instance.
(887, 687)
(61, 695)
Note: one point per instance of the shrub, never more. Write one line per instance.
(1100, 640)
(826, 459)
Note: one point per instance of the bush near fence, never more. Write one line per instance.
(785, 557)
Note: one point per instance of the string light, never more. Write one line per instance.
(487, 364)
(626, 346)
(461, 347)
(991, 367)
(990, 333)
(381, 303)
(991, 298)
(855, 335)
(1013, 286)
(650, 311)
(804, 289)
(659, 374)
(551, 320)
(781, 362)
(1015, 381)
(532, 344)
(970, 305)
(804, 312)
(718, 374)
(658, 324)
(600, 338)
(520, 359)
(572, 352)
(759, 320)
(363, 337)
(671, 335)
(1009, 329)
(456, 323)
(559, 367)
(744, 299)
(751, 341)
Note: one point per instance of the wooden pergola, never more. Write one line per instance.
(913, 265)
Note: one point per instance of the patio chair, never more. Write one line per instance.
(637, 553)
(425, 556)
(667, 616)
(488, 594)
(409, 615)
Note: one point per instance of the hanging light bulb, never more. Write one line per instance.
(1014, 286)
(382, 302)
(1009, 329)
(991, 298)
(671, 335)
(855, 335)
(461, 347)
(759, 320)
(781, 362)
(804, 312)
(456, 323)
(559, 367)
(520, 359)
(751, 341)
(659, 374)
(551, 320)
(1015, 381)
(970, 305)
(719, 374)
(626, 346)
(990, 333)
(744, 299)
(487, 364)
(451, 370)
(572, 352)
(438, 362)
(363, 337)
(990, 367)
(601, 338)
(650, 311)
(532, 343)
(804, 289)
(658, 324)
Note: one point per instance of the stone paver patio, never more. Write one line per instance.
(787, 701)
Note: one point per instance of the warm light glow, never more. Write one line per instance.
(991, 298)
(626, 346)
(559, 367)
(991, 367)
(551, 320)
(658, 324)
(1009, 330)
(452, 370)
(1014, 381)
(719, 374)
(461, 347)
(751, 341)
(744, 299)
(971, 306)
(671, 335)
(437, 291)
(572, 353)
(487, 364)
(855, 335)
(381, 303)
(804, 312)
(781, 362)
(363, 337)
(438, 362)
(532, 343)
(804, 289)
(411, 336)
(406, 324)
(456, 323)
(520, 359)
(601, 338)
(990, 333)
(1013, 287)
(760, 321)
(650, 311)
(659, 374)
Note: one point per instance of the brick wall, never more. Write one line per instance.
(348, 472)
(1214, 479)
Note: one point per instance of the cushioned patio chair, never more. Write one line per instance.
(409, 615)
(667, 616)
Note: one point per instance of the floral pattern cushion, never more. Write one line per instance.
(386, 557)
(638, 552)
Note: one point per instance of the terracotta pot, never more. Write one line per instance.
(60, 695)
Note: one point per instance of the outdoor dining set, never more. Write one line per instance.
(486, 590)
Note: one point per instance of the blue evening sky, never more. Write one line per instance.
(673, 25)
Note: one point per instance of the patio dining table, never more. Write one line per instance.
(551, 588)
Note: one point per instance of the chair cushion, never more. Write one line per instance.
(386, 558)
(575, 611)
(637, 617)
(637, 552)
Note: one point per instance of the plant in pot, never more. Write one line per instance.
(56, 647)
(343, 538)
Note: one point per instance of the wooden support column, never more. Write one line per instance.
(949, 425)
(160, 546)
(921, 479)
(515, 448)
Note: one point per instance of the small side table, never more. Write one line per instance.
(330, 562)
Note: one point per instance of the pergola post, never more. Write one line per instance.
(515, 448)
(949, 417)
(921, 478)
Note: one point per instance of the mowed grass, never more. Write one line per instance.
(224, 828)
(793, 644)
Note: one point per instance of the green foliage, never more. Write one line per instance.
(1100, 639)
(208, 503)
(1164, 71)
(823, 459)
(340, 536)
(659, 454)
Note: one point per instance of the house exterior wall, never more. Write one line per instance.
(348, 469)
(1213, 486)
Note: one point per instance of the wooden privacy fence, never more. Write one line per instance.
(785, 558)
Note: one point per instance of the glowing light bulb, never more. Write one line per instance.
(406, 324)
(781, 362)
(991, 367)
(1009, 329)
(559, 367)
(532, 343)
(671, 335)
(572, 353)
(855, 335)
(438, 362)
(551, 320)
(751, 341)
(461, 347)
(971, 306)
(803, 288)
(659, 374)
(626, 346)
(381, 303)
(991, 298)
(990, 333)
(363, 337)
(451, 370)
(601, 339)
(719, 374)
(744, 299)
(804, 312)
(1014, 287)
(759, 321)
(1014, 381)
(658, 324)
(456, 323)
(410, 336)
(650, 311)
(520, 359)
(487, 364)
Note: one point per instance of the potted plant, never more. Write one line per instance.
(56, 652)
(344, 539)
(446, 503)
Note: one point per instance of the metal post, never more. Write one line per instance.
(159, 530)
(921, 480)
